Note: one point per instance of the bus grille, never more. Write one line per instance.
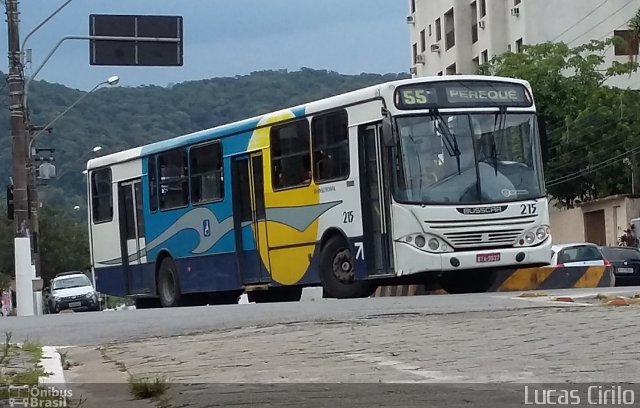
(472, 239)
(482, 233)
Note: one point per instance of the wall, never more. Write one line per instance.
(567, 226)
(572, 21)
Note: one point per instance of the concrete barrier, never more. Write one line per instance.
(514, 280)
(553, 278)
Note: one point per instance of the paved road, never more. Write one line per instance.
(480, 349)
(365, 352)
(99, 328)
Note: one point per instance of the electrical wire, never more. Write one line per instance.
(602, 21)
(591, 168)
(581, 20)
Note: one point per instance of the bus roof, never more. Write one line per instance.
(368, 93)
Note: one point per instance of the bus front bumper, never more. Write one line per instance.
(410, 260)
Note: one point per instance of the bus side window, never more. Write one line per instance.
(101, 196)
(206, 173)
(153, 185)
(174, 181)
(330, 140)
(290, 155)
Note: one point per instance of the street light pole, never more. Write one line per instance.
(33, 187)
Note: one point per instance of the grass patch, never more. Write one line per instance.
(6, 349)
(34, 349)
(145, 387)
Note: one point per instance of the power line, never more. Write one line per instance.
(614, 147)
(602, 21)
(581, 20)
(590, 169)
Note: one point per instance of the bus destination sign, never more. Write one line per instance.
(462, 94)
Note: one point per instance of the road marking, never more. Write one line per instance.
(548, 300)
(427, 375)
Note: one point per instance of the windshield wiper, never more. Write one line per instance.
(450, 141)
(498, 127)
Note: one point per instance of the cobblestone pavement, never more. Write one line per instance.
(304, 362)
(530, 345)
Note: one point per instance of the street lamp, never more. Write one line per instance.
(111, 81)
(96, 149)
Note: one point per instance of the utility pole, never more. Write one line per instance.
(25, 280)
(34, 205)
(18, 125)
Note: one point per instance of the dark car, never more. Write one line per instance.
(626, 264)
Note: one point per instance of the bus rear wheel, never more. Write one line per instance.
(337, 272)
(169, 284)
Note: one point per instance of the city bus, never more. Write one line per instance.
(411, 179)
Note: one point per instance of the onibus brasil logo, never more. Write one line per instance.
(33, 397)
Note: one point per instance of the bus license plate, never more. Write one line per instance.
(75, 304)
(484, 258)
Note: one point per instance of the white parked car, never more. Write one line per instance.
(578, 254)
(71, 290)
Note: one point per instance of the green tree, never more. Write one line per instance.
(582, 114)
(634, 25)
(64, 243)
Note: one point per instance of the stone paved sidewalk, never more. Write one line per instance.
(534, 345)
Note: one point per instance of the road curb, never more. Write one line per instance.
(51, 364)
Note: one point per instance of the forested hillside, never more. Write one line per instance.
(124, 117)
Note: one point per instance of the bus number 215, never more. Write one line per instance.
(528, 209)
(347, 217)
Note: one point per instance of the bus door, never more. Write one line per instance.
(249, 219)
(132, 242)
(375, 200)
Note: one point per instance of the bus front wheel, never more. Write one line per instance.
(168, 284)
(337, 272)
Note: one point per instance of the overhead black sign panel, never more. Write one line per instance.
(462, 94)
(135, 40)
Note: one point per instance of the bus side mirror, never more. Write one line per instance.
(389, 136)
(544, 141)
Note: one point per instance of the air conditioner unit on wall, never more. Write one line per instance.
(413, 71)
(411, 20)
(435, 47)
(515, 11)
(481, 24)
(420, 59)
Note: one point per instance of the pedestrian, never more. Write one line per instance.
(633, 238)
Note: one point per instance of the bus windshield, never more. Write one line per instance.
(496, 159)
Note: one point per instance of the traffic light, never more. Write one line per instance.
(10, 201)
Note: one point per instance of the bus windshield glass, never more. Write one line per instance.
(496, 159)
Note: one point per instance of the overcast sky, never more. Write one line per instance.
(227, 38)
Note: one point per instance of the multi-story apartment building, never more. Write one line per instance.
(456, 36)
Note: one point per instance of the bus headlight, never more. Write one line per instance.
(534, 236)
(427, 243)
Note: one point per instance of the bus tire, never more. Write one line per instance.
(169, 284)
(277, 294)
(337, 272)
